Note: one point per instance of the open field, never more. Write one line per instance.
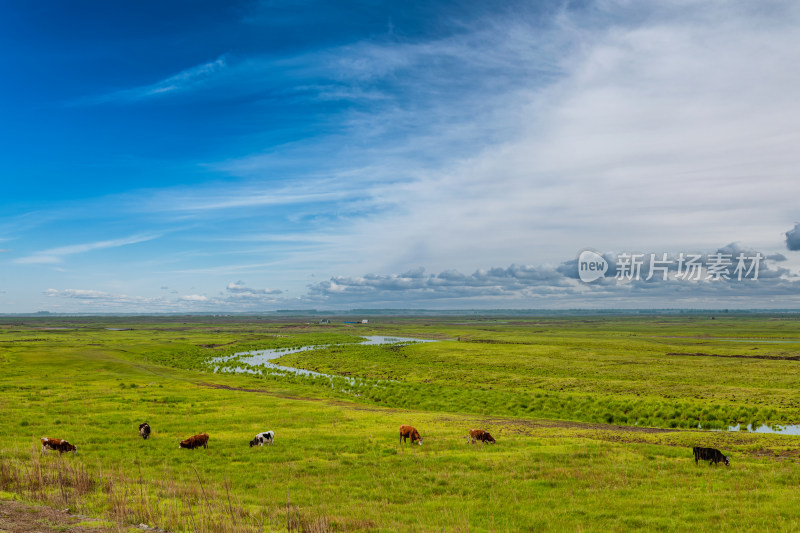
(593, 419)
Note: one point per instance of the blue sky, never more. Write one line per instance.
(261, 155)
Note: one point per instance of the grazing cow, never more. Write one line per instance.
(58, 445)
(480, 435)
(195, 441)
(263, 438)
(144, 430)
(712, 455)
(407, 432)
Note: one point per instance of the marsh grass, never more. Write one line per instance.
(167, 503)
(45, 479)
(672, 375)
(336, 464)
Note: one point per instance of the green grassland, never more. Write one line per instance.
(595, 418)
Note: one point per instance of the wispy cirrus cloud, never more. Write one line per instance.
(98, 297)
(509, 133)
(93, 300)
(241, 290)
(237, 297)
(194, 298)
(511, 138)
(248, 195)
(56, 255)
(185, 80)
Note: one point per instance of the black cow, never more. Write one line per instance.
(144, 430)
(712, 455)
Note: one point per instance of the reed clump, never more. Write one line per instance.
(167, 503)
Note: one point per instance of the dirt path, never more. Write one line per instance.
(16, 517)
(589, 430)
(738, 356)
(544, 423)
(331, 401)
(529, 422)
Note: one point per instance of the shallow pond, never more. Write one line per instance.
(787, 429)
(779, 429)
(760, 341)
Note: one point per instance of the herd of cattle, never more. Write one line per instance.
(712, 455)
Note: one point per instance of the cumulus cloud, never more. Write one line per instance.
(516, 286)
(497, 284)
(731, 273)
(793, 238)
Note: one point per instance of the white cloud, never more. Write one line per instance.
(525, 286)
(653, 130)
(262, 195)
(793, 238)
(194, 298)
(621, 125)
(240, 289)
(190, 78)
(87, 294)
(38, 259)
(102, 300)
(515, 286)
(55, 255)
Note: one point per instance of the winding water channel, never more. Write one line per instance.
(264, 357)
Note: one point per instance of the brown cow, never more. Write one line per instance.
(195, 441)
(480, 435)
(410, 431)
(58, 445)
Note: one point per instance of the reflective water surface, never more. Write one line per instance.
(263, 357)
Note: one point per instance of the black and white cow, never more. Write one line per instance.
(263, 438)
(144, 430)
(712, 455)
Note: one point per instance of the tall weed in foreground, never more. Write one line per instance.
(54, 482)
(167, 503)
